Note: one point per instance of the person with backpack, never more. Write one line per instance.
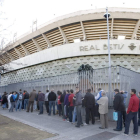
(12, 100)
(19, 100)
(26, 99)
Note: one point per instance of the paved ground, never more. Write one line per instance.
(14, 130)
(66, 131)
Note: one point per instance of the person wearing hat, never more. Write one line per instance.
(119, 107)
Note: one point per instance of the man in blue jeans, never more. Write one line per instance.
(139, 110)
(132, 111)
(41, 99)
(78, 103)
(52, 99)
(19, 100)
(26, 99)
(119, 107)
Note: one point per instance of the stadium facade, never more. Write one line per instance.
(52, 49)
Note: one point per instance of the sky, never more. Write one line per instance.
(16, 16)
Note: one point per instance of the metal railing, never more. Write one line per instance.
(122, 78)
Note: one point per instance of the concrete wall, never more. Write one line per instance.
(69, 65)
(85, 48)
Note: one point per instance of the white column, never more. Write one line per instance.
(37, 45)
(1, 61)
(112, 22)
(135, 29)
(63, 35)
(11, 57)
(47, 40)
(83, 29)
(18, 52)
(25, 50)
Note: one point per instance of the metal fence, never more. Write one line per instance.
(121, 78)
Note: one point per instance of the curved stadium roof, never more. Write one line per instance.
(83, 25)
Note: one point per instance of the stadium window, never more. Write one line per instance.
(76, 40)
(121, 37)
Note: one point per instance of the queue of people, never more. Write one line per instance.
(71, 105)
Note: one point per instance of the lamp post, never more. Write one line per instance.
(107, 15)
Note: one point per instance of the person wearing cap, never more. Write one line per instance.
(119, 107)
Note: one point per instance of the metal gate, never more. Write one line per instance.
(121, 78)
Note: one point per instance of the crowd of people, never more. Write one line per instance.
(78, 109)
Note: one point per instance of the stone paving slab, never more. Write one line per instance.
(63, 129)
(14, 130)
(102, 136)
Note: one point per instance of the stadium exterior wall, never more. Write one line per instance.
(67, 59)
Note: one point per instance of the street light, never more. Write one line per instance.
(107, 15)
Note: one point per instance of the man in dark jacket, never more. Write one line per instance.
(26, 99)
(78, 103)
(62, 103)
(52, 99)
(41, 99)
(119, 107)
(31, 100)
(90, 106)
(66, 103)
(4, 100)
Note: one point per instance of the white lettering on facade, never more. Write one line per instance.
(105, 47)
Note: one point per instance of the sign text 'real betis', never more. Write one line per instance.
(95, 47)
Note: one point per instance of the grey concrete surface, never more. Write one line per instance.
(65, 130)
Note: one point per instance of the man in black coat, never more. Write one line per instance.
(62, 103)
(90, 106)
(119, 107)
(52, 99)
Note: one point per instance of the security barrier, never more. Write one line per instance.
(121, 78)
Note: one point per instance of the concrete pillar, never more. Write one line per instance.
(37, 45)
(112, 22)
(135, 30)
(18, 52)
(47, 40)
(25, 50)
(11, 57)
(63, 35)
(1, 61)
(4, 57)
(83, 29)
